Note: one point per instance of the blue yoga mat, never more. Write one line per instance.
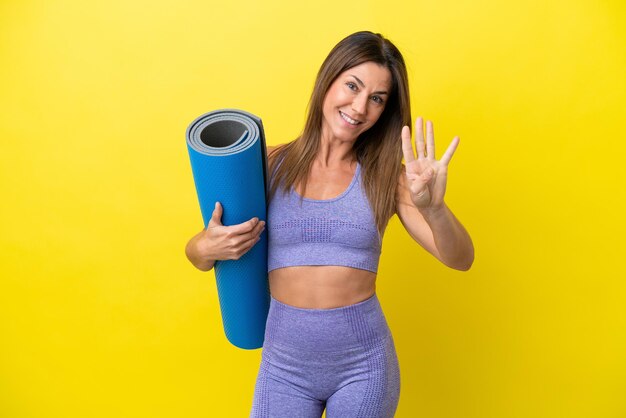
(228, 160)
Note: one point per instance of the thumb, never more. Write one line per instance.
(428, 174)
(216, 217)
(418, 181)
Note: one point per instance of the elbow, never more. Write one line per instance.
(468, 260)
(465, 266)
(195, 260)
(462, 264)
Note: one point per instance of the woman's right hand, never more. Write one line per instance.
(219, 242)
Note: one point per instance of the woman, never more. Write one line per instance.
(333, 190)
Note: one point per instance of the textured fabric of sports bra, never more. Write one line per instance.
(334, 232)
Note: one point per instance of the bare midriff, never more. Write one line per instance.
(321, 287)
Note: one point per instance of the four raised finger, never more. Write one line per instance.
(445, 160)
(407, 149)
(430, 141)
(419, 137)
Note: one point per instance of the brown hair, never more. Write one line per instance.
(378, 150)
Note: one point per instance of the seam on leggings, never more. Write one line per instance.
(364, 332)
(376, 360)
(285, 382)
(371, 405)
(261, 407)
(273, 323)
(267, 359)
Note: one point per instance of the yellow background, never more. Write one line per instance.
(101, 315)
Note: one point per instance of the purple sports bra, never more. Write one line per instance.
(334, 232)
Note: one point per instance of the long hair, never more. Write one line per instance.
(378, 150)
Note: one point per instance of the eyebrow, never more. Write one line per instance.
(363, 85)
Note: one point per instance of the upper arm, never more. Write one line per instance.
(412, 219)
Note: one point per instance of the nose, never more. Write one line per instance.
(359, 104)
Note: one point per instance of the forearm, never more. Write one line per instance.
(452, 240)
(192, 253)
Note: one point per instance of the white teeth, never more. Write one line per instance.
(348, 119)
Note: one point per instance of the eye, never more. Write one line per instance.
(377, 99)
(351, 86)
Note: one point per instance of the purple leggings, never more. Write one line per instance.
(342, 359)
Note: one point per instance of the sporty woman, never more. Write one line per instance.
(332, 192)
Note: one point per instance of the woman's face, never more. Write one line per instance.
(355, 101)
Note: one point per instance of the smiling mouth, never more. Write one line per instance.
(349, 119)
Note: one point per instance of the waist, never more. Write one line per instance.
(321, 287)
(356, 326)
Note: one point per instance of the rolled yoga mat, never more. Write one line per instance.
(228, 160)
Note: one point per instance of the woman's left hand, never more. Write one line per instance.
(426, 176)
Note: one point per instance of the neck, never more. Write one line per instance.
(333, 151)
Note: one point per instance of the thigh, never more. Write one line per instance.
(275, 398)
(374, 396)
